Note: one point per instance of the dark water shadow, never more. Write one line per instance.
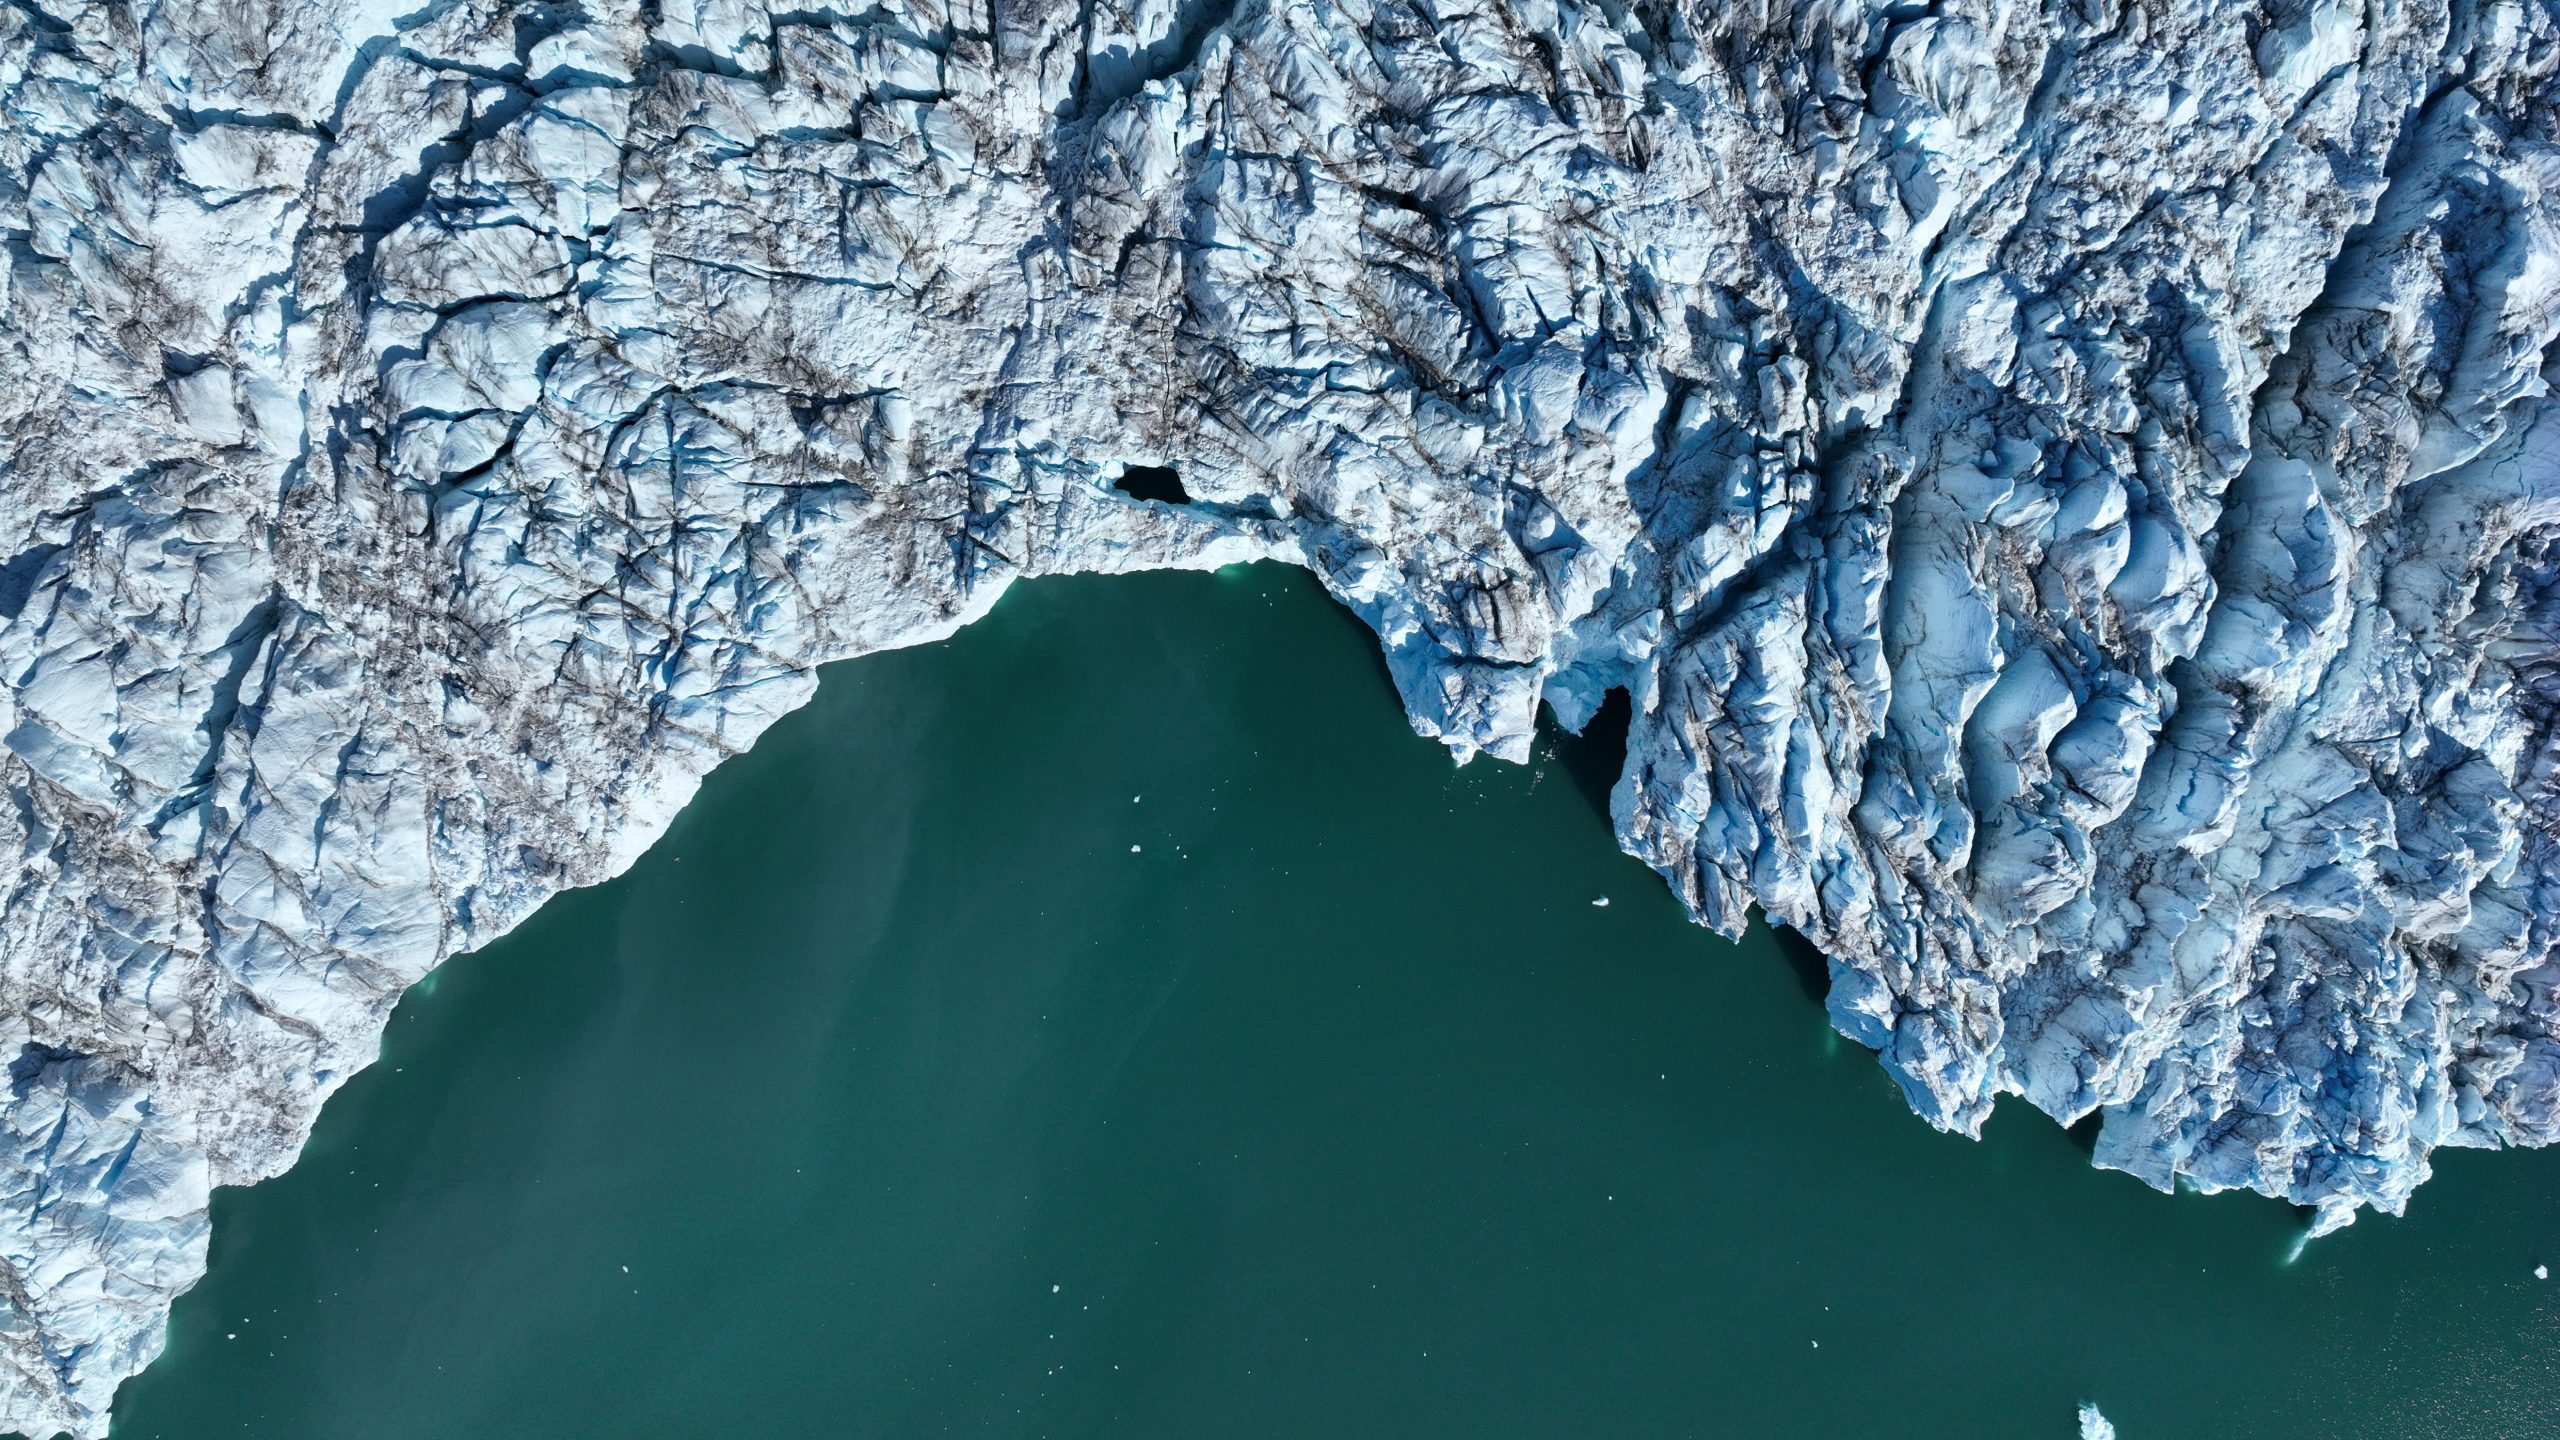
(1594, 759)
(2083, 1132)
(1153, 482)
(1812, 972)
(1368, 638)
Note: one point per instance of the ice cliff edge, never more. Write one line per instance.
(2071, 493)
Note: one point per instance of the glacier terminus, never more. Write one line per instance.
(2070, 491)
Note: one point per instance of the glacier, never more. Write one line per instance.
(2069, 489)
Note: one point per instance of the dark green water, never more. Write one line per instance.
(916, 1104)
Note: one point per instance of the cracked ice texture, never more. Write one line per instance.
(2069, 491)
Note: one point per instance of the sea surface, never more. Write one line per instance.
(1115, 1022)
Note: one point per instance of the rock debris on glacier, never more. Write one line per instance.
(2069, 491)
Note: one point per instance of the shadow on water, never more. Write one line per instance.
(2084, 1132)
(1594, 759)
(1812, 972)
(1341, 615)
(1153, 482)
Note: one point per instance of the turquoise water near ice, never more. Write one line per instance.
(895, 1094)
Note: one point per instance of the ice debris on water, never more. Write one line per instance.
(2067, 490)
(2094, 1426)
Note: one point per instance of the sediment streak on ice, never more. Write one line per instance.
(2068, 490)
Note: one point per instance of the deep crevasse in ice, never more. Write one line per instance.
(2068, 490)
